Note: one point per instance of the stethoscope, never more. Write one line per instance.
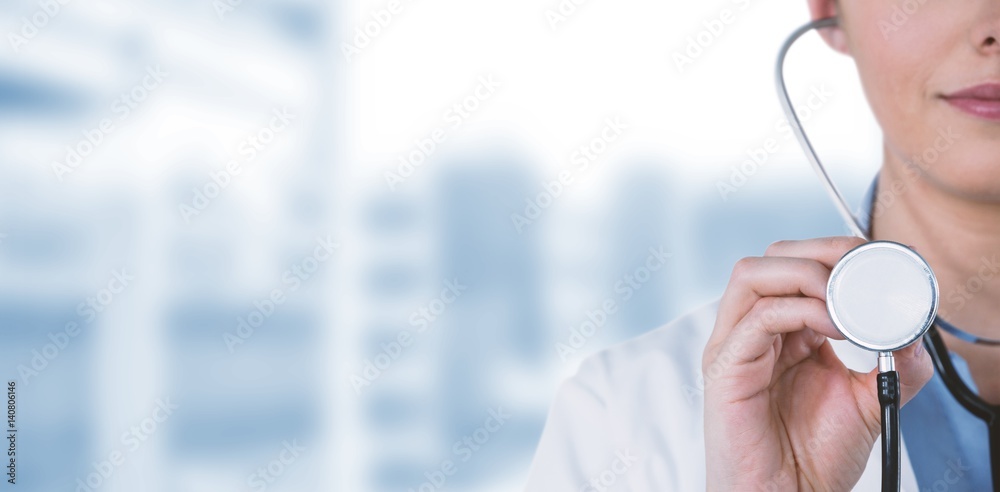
(883, 296)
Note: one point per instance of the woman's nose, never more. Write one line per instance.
(986, 35)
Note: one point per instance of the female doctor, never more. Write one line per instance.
(758, 391)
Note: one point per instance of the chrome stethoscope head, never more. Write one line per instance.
(882, 296)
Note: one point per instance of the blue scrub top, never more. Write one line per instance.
(948, 446)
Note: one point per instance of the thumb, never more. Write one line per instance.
(915, 368)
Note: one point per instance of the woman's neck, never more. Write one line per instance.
(960, 238)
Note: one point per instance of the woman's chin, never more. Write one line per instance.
(972, 180)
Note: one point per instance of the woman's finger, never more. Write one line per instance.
(826, 250)
(755, 278)
(753, 352)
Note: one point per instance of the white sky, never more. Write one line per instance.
(610, 58)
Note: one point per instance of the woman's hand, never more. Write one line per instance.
(782, 412)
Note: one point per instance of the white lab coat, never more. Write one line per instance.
(632, 417)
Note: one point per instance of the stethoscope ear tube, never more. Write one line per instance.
(800, 134)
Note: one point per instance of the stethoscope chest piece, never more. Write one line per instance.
(882, 296)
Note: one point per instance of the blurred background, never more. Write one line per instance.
(302, 245)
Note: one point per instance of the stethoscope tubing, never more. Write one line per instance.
(988, 413)
(800, 133)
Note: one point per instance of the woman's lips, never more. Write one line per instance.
(982, 101)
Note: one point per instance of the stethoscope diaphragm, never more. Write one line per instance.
(882, 296)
